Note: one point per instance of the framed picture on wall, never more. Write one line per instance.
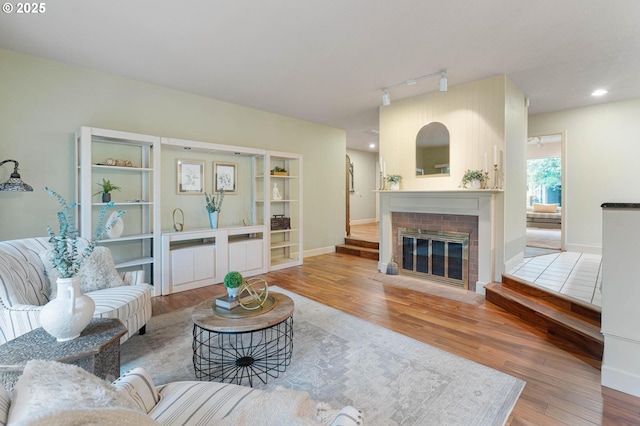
(225, 176)
(190, 175)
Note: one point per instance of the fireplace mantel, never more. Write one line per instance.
(480, 203)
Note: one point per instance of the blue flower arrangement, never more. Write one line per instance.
(65, 256)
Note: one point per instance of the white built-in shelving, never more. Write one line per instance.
(138, 248)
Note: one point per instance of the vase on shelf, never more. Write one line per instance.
(106, 197)
(69, 313)
(394, 186)
(117, 226)
(213, 220)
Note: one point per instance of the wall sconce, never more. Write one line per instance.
(14, 183)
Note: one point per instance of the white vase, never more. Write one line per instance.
(233, 292)
(394, 186)
(117, 228)
(69, 313)
(213, 220)
(474, 184)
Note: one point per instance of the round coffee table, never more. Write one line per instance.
(231, 348)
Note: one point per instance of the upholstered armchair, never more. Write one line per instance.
(25, 288)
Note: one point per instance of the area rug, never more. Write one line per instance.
(543, 238)
(343, 360)
(428, 287)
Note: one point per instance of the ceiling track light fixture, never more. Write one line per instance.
(442, 86)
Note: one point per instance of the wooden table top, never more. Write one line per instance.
(204, 316)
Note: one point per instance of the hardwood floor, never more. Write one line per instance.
(563, 385)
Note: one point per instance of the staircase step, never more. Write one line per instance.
(362, 243)
(543, 311)
(368, 253)
(587, 311)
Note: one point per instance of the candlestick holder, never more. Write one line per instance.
(382, 186)
(495, 177)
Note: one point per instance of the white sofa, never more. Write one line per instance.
(25, 288)
(50, 393)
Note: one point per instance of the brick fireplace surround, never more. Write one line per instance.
(472, 211)
(440, 223)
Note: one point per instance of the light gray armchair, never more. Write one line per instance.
(25, 289)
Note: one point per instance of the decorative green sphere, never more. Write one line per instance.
(233, 279)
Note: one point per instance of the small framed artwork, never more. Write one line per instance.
(190, 175)
(225, 177)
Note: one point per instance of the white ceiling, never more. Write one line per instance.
(326, 60)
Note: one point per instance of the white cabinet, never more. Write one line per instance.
(132, 162)
(245, 256)
(193, 259)
(193, 266)
(284, 203)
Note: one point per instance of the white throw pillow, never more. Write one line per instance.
(50, 387)
(97, 271)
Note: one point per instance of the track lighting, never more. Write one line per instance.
(443, 82)
(386, 99)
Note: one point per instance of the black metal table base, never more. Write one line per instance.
(236, 357)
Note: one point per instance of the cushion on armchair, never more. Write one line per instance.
(96, 273)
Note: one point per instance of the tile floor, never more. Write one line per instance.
(575, 274)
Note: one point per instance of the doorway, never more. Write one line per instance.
(545, 193)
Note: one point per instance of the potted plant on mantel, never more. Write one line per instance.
(394, 182)
(213, 206)
(71, 311)
(474, 179)
(107, 187)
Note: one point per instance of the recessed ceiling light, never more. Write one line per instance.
(599, 92)
(372, 145)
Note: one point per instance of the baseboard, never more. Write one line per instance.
(318, 251)
(620, 380)
(362, 221)
(584, 249)
(513, 262)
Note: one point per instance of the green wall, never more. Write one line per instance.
(43, 103)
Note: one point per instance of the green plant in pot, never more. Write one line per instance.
(394, 181)
(474, 179)
(232, 281)
(67, 314)
(279, 171)
(106, 188)
(213, 205)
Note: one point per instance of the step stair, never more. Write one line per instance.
(553, 313)
(362, 248)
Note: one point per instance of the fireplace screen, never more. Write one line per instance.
(438, 256)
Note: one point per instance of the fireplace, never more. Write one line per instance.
(464, 211)
(435, 255)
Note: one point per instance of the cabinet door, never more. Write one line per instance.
(182, 266)
(245, 255)
(237, 257)
(254, 254)
(204, 263)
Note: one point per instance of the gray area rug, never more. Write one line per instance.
(343, 360)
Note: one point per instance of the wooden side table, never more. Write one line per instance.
(234, 349)
(97, 350)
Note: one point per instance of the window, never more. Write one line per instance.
(544, 181)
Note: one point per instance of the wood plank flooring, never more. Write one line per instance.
(563, 386)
